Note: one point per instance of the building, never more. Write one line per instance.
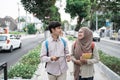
(8, 22)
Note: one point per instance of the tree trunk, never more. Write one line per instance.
(79, 19)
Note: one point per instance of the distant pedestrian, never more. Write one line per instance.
(84, 55)
(56, 53)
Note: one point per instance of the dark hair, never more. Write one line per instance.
(53, 24)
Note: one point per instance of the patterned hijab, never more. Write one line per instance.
(82, 46)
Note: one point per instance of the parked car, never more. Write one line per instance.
(70, 32)
(9, 42)
(113, 35)
(96, 37)
(119, 34)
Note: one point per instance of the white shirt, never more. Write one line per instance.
(55, 48)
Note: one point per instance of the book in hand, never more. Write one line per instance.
(87, 55)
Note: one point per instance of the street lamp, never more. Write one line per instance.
(97, 13)
(46, 33)
(97, 16)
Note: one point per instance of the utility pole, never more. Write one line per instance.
(18, 16)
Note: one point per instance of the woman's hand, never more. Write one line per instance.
(83, 61)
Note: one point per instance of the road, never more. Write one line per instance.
(27, 44)
(110, 48)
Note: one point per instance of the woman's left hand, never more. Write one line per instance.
(83, 61)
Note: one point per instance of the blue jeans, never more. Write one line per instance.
(89, 78)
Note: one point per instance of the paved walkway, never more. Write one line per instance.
(41, 74)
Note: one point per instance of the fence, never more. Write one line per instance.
(3, 66)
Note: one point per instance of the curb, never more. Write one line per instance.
(108, 72)
(113, 41)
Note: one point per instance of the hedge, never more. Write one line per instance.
(28, 64)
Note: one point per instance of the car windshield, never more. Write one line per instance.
(3, 38)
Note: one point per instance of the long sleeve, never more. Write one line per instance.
(72, 52)
(95, 58)
(43, 55)
(55, 48)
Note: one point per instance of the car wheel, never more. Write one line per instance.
(98, 40)
(20, 45)
(11, 49)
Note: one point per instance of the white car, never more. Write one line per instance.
(9, 42)
(96, 37)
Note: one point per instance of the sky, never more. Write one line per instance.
(65, 16)
(10, 8)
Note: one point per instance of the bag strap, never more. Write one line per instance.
(92, 45)
(46, 45)
(64, 42)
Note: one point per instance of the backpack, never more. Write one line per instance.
(92, 45)
(46, 45)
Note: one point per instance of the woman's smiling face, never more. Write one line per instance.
(80, 34)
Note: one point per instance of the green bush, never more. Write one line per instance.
(22, 70)
(32, 58)
(16, 32)
(71, 38)
(31, 29)
(27, 65)
(110, 61)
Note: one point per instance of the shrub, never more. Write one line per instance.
(110, 61)
(71, 38)
(27, 65)
(32, 58)
(22, 70)
(31, 29)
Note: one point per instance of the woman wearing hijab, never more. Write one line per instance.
(84, 55)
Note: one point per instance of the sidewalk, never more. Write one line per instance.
(41, 74)
(108, 39)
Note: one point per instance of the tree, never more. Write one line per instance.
(111, 10)
(22, 20)
(31, 29)
(42, 9)
(77, 8)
